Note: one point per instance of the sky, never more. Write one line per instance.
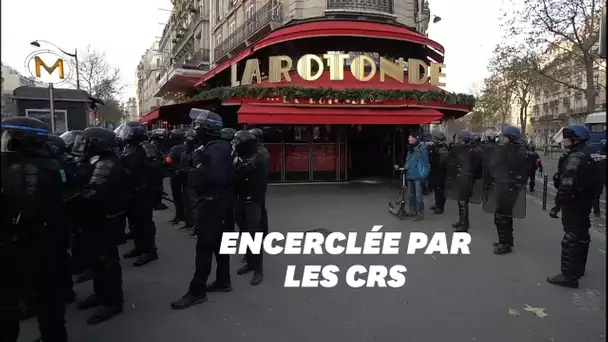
(124, 29)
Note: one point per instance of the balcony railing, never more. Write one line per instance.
(187, 34)
(385, 6)
(270, 12)
(199, 61)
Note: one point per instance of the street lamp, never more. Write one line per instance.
(74, 55)
(436, 19)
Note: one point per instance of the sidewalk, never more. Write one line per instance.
(457, 298)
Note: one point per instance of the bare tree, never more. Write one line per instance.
(566, 34)
(520, 69)
(97, 77)
(495, 102)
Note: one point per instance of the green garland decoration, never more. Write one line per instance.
(369, 95)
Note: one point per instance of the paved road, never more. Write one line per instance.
(458, 298)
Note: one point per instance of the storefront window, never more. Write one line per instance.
(296, 134)
(324, 134)
(272, 135)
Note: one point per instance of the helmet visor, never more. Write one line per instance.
(81, 146)
(125, 133)
(70, 138)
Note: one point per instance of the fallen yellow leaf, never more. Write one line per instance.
(513, 312)
(540, 312)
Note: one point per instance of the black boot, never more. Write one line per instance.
(563, 280)
(89, 302)
(188, 300)
(104, 313)
(504, 228)
(583, 251)
(134, 253)
(257, 278)
(463, 218)
(243, 269)
(438, 210)
(502, 249)
(215, 287)
(145, 258)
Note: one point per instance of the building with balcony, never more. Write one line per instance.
(184, 48)
(148, 72)
(336, 85)
(557, 106)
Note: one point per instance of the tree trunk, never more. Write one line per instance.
(591, 92)
(523, 117)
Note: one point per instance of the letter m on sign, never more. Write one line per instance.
(58, 64)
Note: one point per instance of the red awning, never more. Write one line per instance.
(150, 117)
(260, 114)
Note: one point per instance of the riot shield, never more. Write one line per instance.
(504, 180)
(463, 177)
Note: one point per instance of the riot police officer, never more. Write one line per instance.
(251, 181)
(575, 181)
(104, 200)
(155, 157)
(438, 155)
(211, 180)
(31, 217)
(141, 175)
(263, 151)
(463, 171)
(533, 163)
(505, 175)
(185, 165)
(228, 133)
(172, 162)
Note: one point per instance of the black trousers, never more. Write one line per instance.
(78, 252)
(210, 214)
(25, 269)
(140, 216)
(178, 196)
(532, 179)
(575, 243)
(189, 200)
(249, 218)
(503, 218)
(102, 241)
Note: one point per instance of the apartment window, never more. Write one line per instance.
(218, 39)
(232, 26)
(250, 17)
(566, 103)
(535, 110)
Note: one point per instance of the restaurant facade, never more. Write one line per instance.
(336, 99)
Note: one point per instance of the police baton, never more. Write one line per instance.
(545, 184)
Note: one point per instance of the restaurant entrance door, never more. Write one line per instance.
(372, 151)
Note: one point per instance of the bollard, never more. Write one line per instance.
(545, 185)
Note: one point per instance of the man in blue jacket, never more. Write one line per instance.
(417, 170)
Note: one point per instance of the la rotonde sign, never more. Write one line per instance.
(364, 68)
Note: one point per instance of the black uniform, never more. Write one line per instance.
(104, 200)
(31, 213)
(576, 180)
(185, 166)
(438, 156)
(533, 163)
(154, 160)
(142, 175)
(172, 161)
(211, 180)
(263, 153)
(251, 181)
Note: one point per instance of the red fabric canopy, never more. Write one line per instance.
(150, 117)
(260, 114)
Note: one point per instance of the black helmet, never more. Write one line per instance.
(228, 133)
(245, 143)
(438, 136)
(258, 134)
(176, 135)
(57, 142)
(70, 138)
(463, 137)
(206, 123)
(94, 141)
(158, 134)
(19, 133)
(131, 132)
